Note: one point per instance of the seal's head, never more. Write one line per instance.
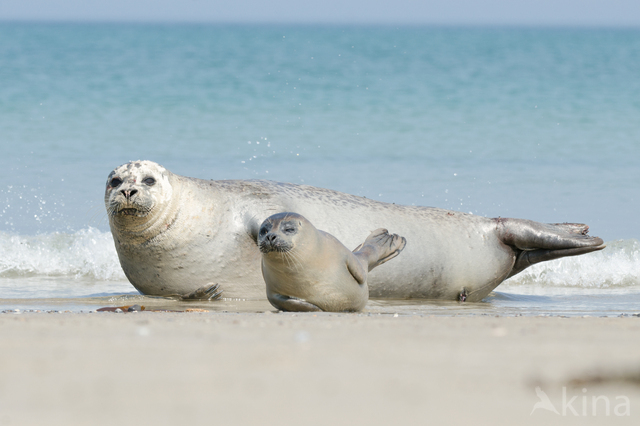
(136, 190)
(278, 233)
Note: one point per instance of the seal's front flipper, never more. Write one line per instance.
(292, 304)
(207, 292)
(357, 268)
(380, 247)
(394, 244)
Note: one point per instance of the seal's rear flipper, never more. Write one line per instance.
(529, 235)
(573, 228)
(528, 258)
(292, 304)
(536, 242)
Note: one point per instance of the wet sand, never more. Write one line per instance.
(314, 369)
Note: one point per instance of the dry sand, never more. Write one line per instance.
(314, 369)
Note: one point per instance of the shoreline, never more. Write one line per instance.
(607, 304)
(314, 368)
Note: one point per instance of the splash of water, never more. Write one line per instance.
(87, 253)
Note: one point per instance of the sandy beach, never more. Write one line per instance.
(284, 368)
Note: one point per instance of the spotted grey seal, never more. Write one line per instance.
(306, 269)
(179, 235)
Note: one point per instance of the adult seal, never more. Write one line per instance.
(306, 269)
(179, 235)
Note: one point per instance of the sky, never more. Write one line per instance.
(435, 12)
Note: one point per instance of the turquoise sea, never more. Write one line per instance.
(535, 123)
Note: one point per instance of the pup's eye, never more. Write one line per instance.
(115, 182)
(263, 231)
(290, 230)
(149, 181)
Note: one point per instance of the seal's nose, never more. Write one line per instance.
(271, 237)
(128, 193)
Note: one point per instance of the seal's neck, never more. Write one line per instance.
(135, 231)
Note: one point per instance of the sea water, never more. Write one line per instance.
(542, 124)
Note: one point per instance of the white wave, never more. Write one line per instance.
(616, 269)
(90, 253)
(85, 253)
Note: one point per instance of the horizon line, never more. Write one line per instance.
(301, 23)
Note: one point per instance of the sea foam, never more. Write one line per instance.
(88, 253)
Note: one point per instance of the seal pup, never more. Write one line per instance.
(179, 235)
(306, 269)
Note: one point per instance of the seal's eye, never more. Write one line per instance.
(115, 182)
(289, 227)
(149, 181)
(265, 229)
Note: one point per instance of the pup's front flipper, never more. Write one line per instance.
(380, 247)
(292, 304)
